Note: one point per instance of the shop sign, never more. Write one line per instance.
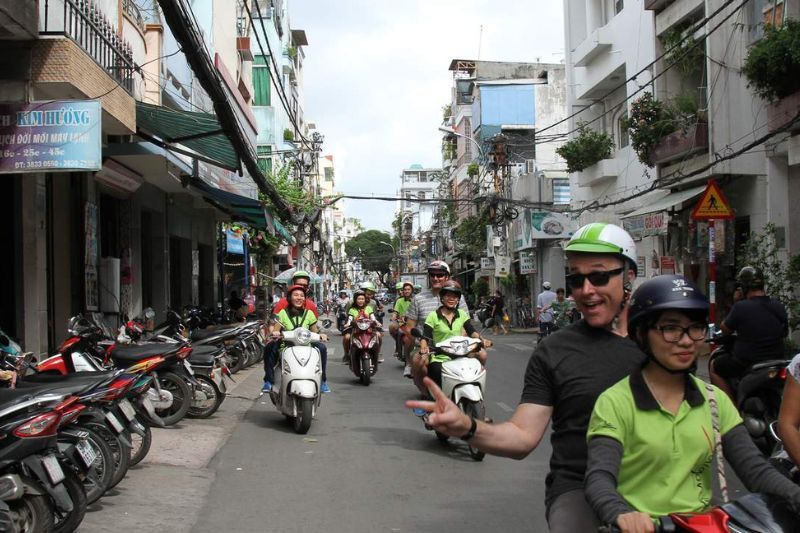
(641, 265)
(667, 265)
(527, 264)
(61, 135)
(502, 266)
(234, 242)
(551, 225)
(487, 265)
(521, 230)
(647, 224)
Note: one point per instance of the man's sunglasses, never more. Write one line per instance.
(598, 278)
(439, 274)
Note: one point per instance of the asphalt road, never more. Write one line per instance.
(367, 464)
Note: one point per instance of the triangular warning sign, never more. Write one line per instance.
(712, 204)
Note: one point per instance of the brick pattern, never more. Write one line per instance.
(59, 61)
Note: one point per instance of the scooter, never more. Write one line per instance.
(364, 348)
(463, 379)
(296, 393)
(341, 317)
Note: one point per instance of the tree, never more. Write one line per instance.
(375, 257)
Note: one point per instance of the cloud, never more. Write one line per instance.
(376, 78)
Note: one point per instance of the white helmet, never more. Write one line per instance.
(546, 285)
(603, 238)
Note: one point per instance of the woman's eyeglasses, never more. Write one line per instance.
(598, 278)
(674, 333)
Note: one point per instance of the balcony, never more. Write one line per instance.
(655, 5)
(595, 44)
(85, 24)
(132, 10)
(601, 171)
(681, 144)
(783, 111)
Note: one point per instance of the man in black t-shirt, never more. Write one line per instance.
(760, 324)
(566, 373)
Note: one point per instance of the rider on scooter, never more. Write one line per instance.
(360, 308)
(405, 290)
(447, 321)
(760, 324)
(652, 436)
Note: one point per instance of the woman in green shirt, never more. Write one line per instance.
(651, 438)
(360, 308)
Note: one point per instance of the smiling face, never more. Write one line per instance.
(298, 299)
(437, 277)
(407, 291)
(361, 300)
(450, 299)
(681, 354)
(598, 304)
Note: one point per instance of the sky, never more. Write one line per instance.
(376, 77)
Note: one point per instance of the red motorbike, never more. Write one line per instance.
(364, 348)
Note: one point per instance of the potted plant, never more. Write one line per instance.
(587, 149)
(288, 135)
(649, 121)
(472, 169)
(772, 69)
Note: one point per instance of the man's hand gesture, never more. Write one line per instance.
(443, 415)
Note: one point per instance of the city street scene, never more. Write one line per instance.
(419, 266)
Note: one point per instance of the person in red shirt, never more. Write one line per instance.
(302, 278)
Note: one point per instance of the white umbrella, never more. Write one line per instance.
(286, 276)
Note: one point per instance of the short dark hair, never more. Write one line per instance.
(560, 290)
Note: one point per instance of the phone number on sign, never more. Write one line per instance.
(68, 163)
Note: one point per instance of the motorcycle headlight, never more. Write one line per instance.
(357, 343)
(301, 358)
(303, 336)
(363, 326)
(460, 348)
(372, 341)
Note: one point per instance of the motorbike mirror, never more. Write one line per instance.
(416, 333)
(149, 314)
(326, 323)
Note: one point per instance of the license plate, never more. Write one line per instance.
(188, 367)
(87, 453)
(148, 406)
(114, 422)
(53, 468)
(127, 410)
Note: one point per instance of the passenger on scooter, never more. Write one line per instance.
(652, 436)
(789, 416)
(405, 290)
(297, 315)
(448, 321)
(760, 324)
(359, 309)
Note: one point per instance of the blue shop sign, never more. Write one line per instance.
(61, 135)
(234, 242)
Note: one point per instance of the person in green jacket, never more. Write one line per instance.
(404, 294)
(360, 308)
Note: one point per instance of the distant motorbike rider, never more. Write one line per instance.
(445, 322)
(359, 309)
(296, 315)
(342, 304)
(760, 324)
(405, 291)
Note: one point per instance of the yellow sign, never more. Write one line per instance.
(712, 204)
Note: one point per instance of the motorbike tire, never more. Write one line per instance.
(32, 514)
(364, 374)
(214, 399)
(302, 422)
(181, 398)
(477, 411)
(121, 451)
(69, 522)
(141, 445)
(235, 359)
(103, 467)
(442, 437)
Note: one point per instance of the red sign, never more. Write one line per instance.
(712, 204)
(667, 264)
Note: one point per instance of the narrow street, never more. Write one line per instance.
(367, 464)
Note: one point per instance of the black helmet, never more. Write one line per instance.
(662, 293)
(750, 278)
(451, 286)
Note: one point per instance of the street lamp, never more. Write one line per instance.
(469, 137)
(394, 253)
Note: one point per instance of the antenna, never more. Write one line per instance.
(480, 40)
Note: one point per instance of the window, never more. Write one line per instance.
(561, 191)
(328, 174)
(265, 159)
(421, 195)
(761, 12)
(261, 82)
(618, 5)
(622, 131)
(530, 166)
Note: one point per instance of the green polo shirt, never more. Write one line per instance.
(401, 306)
(439, 329)
(666, 463)
(353, 311)
(290, 320)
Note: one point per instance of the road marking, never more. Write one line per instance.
(520, 347)
(504, 407)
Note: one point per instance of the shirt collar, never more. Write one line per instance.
(645, 401)
(439, 314)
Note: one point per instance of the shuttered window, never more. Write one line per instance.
(261, 82)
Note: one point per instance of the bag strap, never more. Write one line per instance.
(712, 403)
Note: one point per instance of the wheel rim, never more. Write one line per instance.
(211, 397)
(170, 386)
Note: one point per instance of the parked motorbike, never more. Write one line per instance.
(364, 348)
(463, 378)
(758, 393)
(296, 393)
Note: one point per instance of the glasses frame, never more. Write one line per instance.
(439, 275)
(684, 331)
(577, 280)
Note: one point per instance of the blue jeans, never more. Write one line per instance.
(271, 355)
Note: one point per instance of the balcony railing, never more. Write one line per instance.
(85, 23)
(133, 11)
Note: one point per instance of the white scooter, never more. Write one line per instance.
(463, 379)
(296, 392)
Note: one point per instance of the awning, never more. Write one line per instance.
(200, 132)
(280, 228)
(240, 208)
(667, 201)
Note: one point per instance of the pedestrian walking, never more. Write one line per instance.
(498, 312)
(544, 311)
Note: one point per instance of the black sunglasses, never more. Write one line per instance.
(598, 278)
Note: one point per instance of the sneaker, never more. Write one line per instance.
(407, 372)
(380, 359)
(325, 388)
(267, 387)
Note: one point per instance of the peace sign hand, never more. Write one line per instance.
(443, 415)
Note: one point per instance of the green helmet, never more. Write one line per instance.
(301, 274)
(603, 238)
(398, 286)
(367, 286)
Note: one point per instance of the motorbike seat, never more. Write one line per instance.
(223, 333)
(11, 397)
(203, 355)
(131, 353)
(43, 379)
(768, 364)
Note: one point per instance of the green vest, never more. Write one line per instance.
(353, 311)
(401, 306)
(443, 330)
(304, 320)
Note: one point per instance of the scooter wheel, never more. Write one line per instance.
(477, 411)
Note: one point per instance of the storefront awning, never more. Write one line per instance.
(200, 132)
(667, 201)
(240, 208)
(281, 229)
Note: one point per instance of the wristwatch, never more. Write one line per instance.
(471, 433)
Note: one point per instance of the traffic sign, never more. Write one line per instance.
(712, 204)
